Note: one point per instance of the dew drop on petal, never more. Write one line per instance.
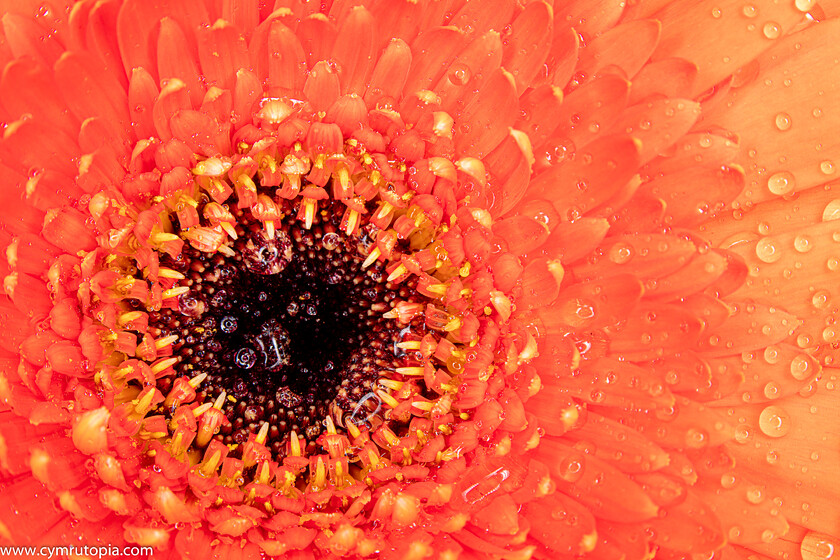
(783, 121)
(755, 494)
(802, 243)
(774, 421)
(804, 5)
(821, 299)
(781, 183)
(767, 251)
(742, 434)
(832, 211)
(330, 241)
(621, 253)
(749, 10)
(800, 367)
(817, 546)
(827, 167)
(771, 30)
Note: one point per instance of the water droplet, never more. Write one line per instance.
(771, 354)
(768, 536)
(459, 74)
(245, 358)
(781, 183)
(742, 434)
(265, 256)
(804, 5)
(330, 241)
(228, 324)
(772, 30)
(832, 264)
(716, 13)
(802, 243)
(772, 457)
(621, 253)
(800, 367)
(817, 546)
(772, 390)
(767, 251)
(827, 167)
(749, 11)
(191, 305)
(783, 121)
(829, 334)
(755, 494)
(832, 211)
(821, 299)
(774, 421)
(817, 112)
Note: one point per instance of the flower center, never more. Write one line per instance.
(288, 329)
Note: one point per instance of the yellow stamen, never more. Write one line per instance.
(264, 474)
(391, 384)
(294, 444)
(410, 344)
(330, 425)
(453, 325)
(423, 405)
(309, 212)
(199, 410)
(384, 210)
(269, 229)
(175, 292)
(163, 237)
(220, 401)
(262, 434)
(399, 271)
(374, 458)
(209, 467)
(229, 229)
(145, 402)
(388, 399)
(438, 289)
(227, 251)
(320, 473)
(163, 365)
(353, 429)
(126, 318)
(169, 273)
(165, 341)
(410, 370)
(352, 221)
(175, 444)
(372, 257)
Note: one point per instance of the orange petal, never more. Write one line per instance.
(552, 526)
(469, 71)
(646, 256)
(658, 124)
(591, 109)
(596, 173)
(510, 166)
(751, 326)
(688, 526)
(540, 111)
(653, 331)
(609, 51)
(524, 51)
(619, 445)
(353, 50)
(481, 16)
(571, 241)
(222, 51)
(487, 117)
(669, 77)
(590, 18)
(286, 65)
(605, 490)
(589, 305)
(322, 86)
(175, 59)
(433, 52)
(390, 73)
(720, 39)
(317, 36)
(699, 273)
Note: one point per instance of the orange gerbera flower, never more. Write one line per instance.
(420, 279)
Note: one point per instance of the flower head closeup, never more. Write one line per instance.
(412, 279)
